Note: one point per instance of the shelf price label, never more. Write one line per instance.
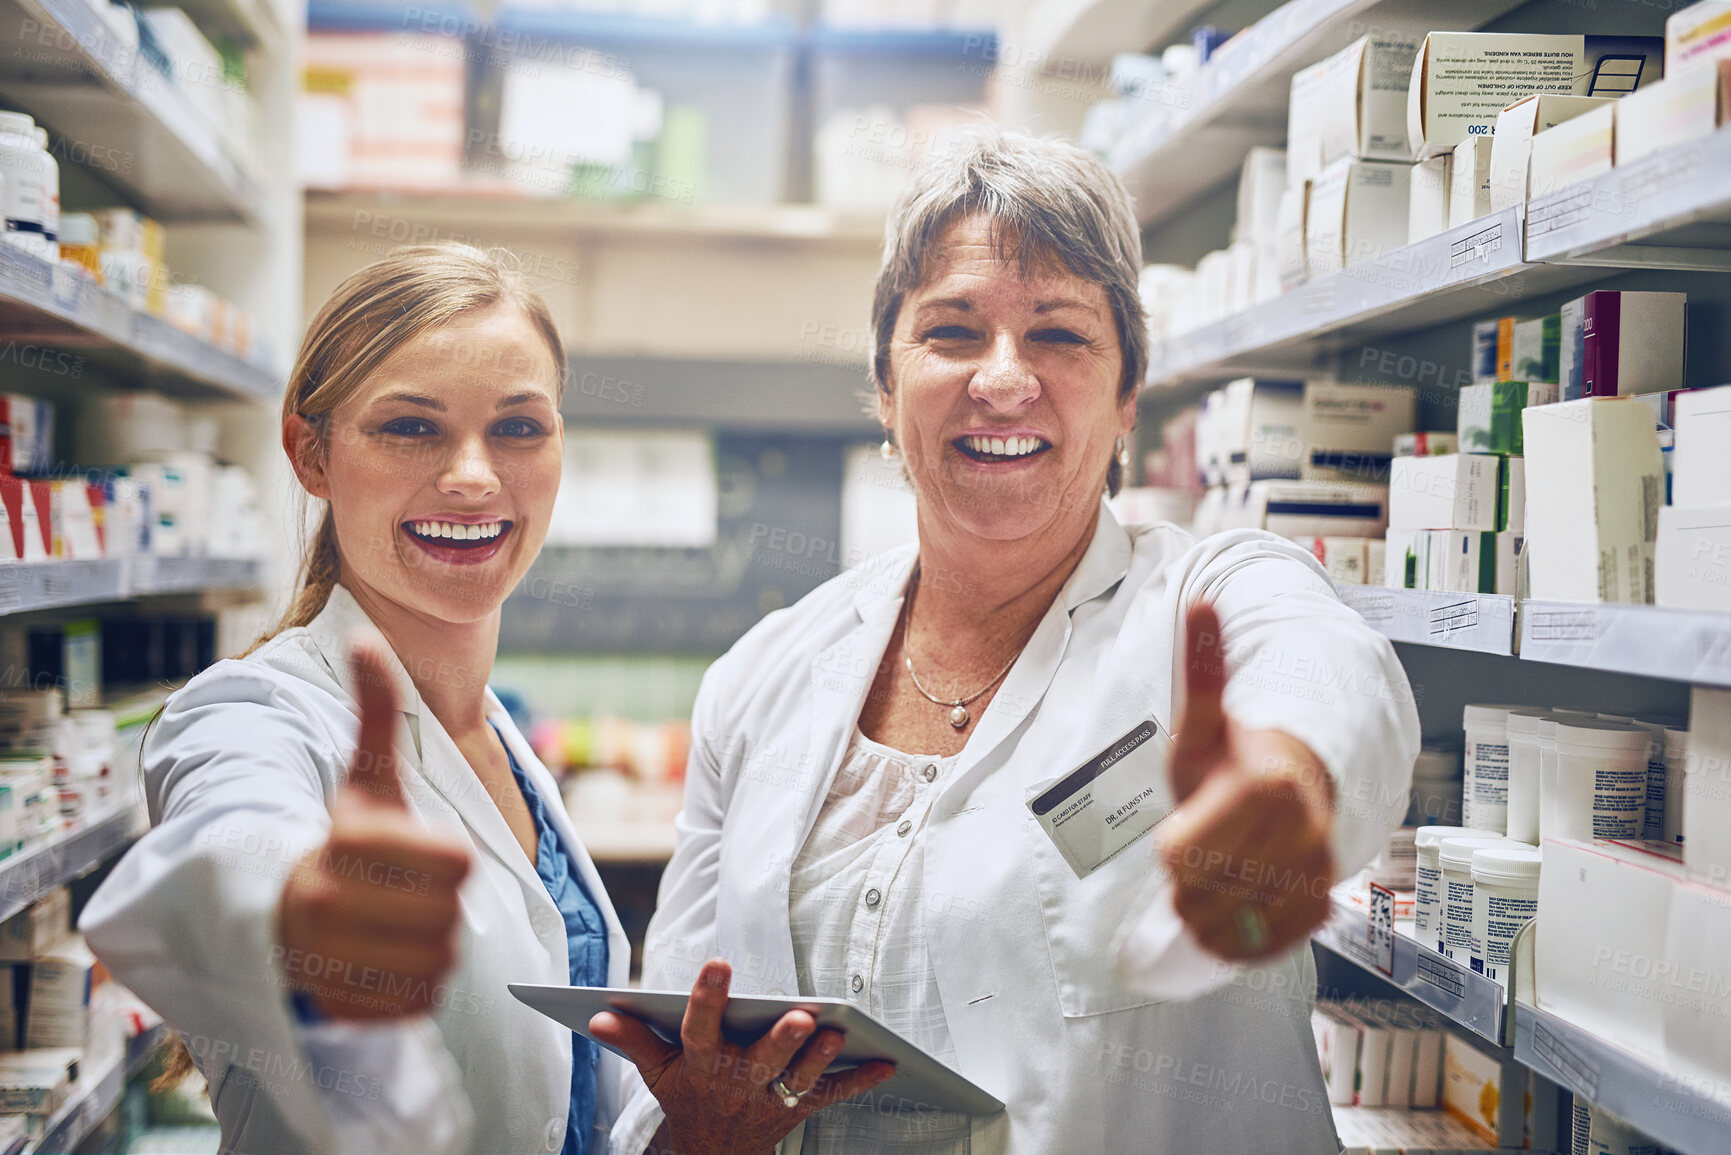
(1380, 935)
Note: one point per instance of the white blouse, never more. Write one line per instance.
(856, 904)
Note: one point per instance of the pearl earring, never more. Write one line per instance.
(1123, 454)
(887, 450)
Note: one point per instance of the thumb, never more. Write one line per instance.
(1202, 726)
(373, 772)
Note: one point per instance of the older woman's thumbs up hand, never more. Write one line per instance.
(1248, 847)
(368, 922)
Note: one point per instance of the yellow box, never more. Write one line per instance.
(1576, 150)
(1685, 106)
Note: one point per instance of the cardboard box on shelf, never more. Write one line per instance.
(1375, 561)
(1595, 482)
(1692, 558)
(1291, 243)
(1357, 213)
(1517, 126)
(1261, 180)
(1342, 557)
(1512, 516)
(1260, 429)
(1697, 977)
(1687, 105)
(1461, 81)
(1337, 1043)
(1475, 561)
(36, 1082)
(1347, 431)
(1428, 208)
(61, 981)
(1699, 32)
(1304, 123)
(1362, 98)
(1535, 348)
(1310, 508)
(1707, 789)
(1426, 444)
(1576, 150)
(1700, 465)
(1489, 361)
(1406, 559)
(1449, 491)
(1488, 417)
(1616, 343)
(26, 507)
(37, 927)
(1606, 908)
(1472, 1085)
(1469, 180)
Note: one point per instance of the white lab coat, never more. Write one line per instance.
(240, 770)
(1021, 948)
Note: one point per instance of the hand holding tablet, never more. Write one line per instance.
(717, 1093)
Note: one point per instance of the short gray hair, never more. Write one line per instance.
(1053, 204)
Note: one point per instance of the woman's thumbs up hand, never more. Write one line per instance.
(368, 923)
(1248, 847)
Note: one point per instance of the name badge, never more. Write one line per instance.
(1095, 811)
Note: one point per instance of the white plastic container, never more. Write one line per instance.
(50, 194)
(1427, 880)
(1486, 762)
(1396, 867)
(1548, 772)
(1455, 857)
(1654, 825)
(1523, 813)
(1436, 786)
(1601, 779)
(1505, 896)
(24, 164)
(1676, 758)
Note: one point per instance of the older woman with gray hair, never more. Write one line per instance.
(929, 787)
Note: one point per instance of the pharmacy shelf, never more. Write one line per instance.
(1688, 1114)
(403, 217)
(26, 877)
(1197, 138)
(1670, 210)
(48, 585)
(1472, 269)
(1483, 623)
(961, 44)
(1681, 645)
(88, 86)
(1469, 1000)
(579, 26)
(61, 308)
(1060, 33)
(95, 1096)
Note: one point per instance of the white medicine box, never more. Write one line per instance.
(1361, 98)
(1512, 146)
(1357, 212)
(1448, 491)
(1595, 483)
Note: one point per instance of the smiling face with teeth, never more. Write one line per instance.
(442, 469)
(1003, 394)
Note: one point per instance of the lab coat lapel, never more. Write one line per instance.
(430, 757)
(618, 948)
(1103, 565)
(842, 675)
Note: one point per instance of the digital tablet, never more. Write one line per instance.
(920, 1081)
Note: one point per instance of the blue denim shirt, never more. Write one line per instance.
(586, 932)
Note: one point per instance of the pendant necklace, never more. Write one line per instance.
(959, 716)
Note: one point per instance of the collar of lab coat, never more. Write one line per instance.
(837, 703)
(430, 752)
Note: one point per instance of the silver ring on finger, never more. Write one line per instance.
(788, 1096)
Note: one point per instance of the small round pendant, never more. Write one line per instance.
(959, 717)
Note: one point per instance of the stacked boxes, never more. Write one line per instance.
(1692, 554)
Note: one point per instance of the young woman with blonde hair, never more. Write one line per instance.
(353, 850)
